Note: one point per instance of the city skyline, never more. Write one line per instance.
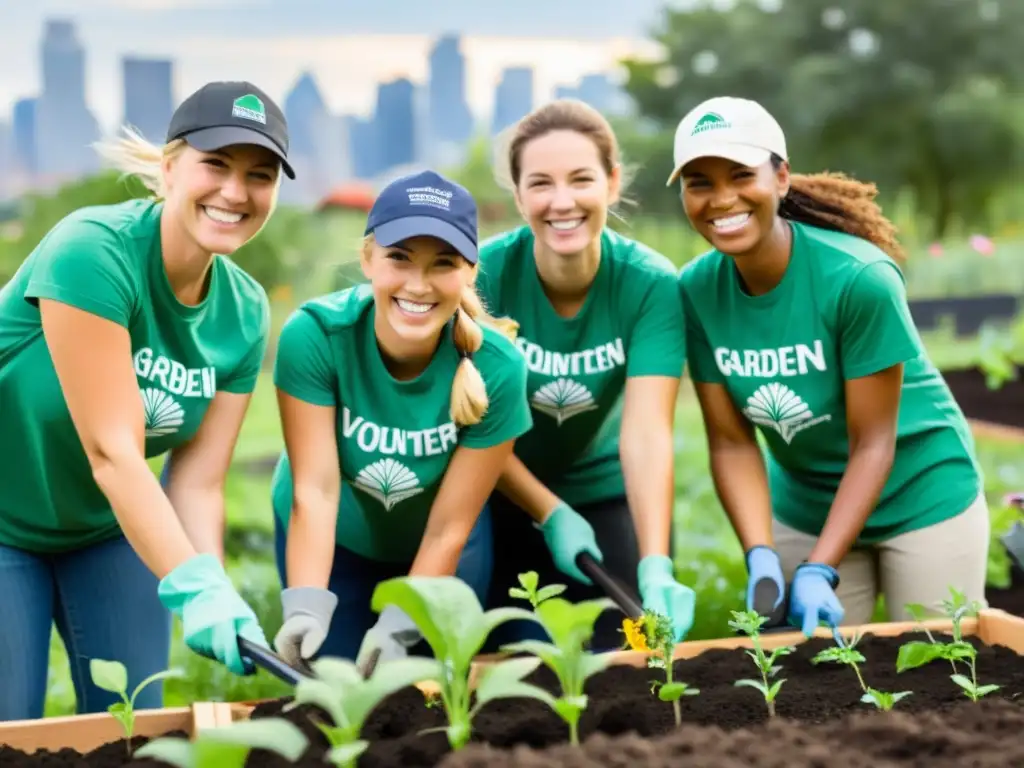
(347, 67)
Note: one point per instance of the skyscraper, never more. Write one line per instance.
(148, 95)
(513, 98)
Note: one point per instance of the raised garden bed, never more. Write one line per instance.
(1003, 406)
(98, 741)
(821, 720)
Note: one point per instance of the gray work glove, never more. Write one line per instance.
(390, 638)
(307, 617)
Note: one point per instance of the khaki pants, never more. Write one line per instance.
(915, 567)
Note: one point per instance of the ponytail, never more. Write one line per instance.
(134, 156)
(469, 393)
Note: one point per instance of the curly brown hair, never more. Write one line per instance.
(835, 201)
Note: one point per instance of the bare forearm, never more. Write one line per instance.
(862, 484)
(201, 512)
(649, 472)
(309, 555)
(144, 512)
(524, 490)
(741, 483)
(440, 549)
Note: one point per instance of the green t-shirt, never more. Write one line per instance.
(395, 438)
(107, 260)
(631, 324)
(840, 312)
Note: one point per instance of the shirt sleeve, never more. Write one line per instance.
(304, 365)
(876, 330)
(657, 345)
(84, 264)
(243, 380)
(508, 411)
(701, 358)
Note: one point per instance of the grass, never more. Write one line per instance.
(707, 553)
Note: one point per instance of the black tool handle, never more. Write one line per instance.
(612, 587)
(270, 661)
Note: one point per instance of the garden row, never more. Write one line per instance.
(936, 691)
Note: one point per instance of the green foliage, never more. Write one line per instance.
(113, 676)
(448, 614)
(848, 654)
(750, 623)
(229, 746)
(527, 589)
(661, 639)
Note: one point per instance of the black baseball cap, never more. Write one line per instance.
(224, 113)
(425, 203)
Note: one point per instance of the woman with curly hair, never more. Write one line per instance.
(797, 323)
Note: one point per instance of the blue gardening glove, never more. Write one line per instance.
(567, 534)
(766, 586)
(662, 594)
(392, 636)
(212, 613)
(812, 597)
(307, 617)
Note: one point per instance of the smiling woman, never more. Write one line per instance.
(400, 401)
(124, 336)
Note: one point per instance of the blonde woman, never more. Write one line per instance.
(399, 413)
(123, 336)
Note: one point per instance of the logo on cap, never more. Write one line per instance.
(249, 107)
(710, 122)
(438, 198)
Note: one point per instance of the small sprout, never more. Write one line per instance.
(917, 654)
(528, 591)
(657, 635)
(850, 656)
(228, 746)
(750, 623)
(113, 676)
(569, 626)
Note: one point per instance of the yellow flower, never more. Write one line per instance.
(636, 637)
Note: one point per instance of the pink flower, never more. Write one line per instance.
(982, 245)
(935, 249)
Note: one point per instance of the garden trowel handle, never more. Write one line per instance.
(270, 661)
(612, 587)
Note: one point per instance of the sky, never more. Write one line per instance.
(348, 45)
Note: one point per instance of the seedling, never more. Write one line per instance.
(113, 676)
(848, 654)
(658, 636)
(527, 589)
(448, 614)
(750, 623)
(570, 627)
(340, 690)
(917, 654)
(228, 746)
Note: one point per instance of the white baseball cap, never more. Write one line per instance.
(726, 126)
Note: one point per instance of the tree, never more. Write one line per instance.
(922, 95)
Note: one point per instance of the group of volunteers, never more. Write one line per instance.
(470, 409)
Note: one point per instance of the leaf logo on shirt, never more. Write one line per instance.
(562, 399)
(388, 481)
(778, 407)
(163, 413)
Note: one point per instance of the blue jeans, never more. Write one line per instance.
(104, 602)
(354, 577)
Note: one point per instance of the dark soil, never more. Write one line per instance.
(110, 755)
(998, 406)
(820, 722)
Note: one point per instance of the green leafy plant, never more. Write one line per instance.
(848, 654)
(527, 589)
(340, 691)
(448, 615)
(113, 676)
(750, 623)
(916, 653)
(229, 746)
(661, 640)
(570, 626)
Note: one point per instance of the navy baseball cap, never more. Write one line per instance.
(224, 113)
(425, 203)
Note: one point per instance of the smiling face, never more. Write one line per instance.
(417, 286)
(564, 190)
(223, 198)
(733, 206)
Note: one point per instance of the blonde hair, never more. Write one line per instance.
(469, 401)
(134, 155)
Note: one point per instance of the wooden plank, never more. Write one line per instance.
(87, 732)
(994, 431)
(997, 627)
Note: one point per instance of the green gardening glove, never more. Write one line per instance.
(662, 594)
(212, 612)
(567, 533)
